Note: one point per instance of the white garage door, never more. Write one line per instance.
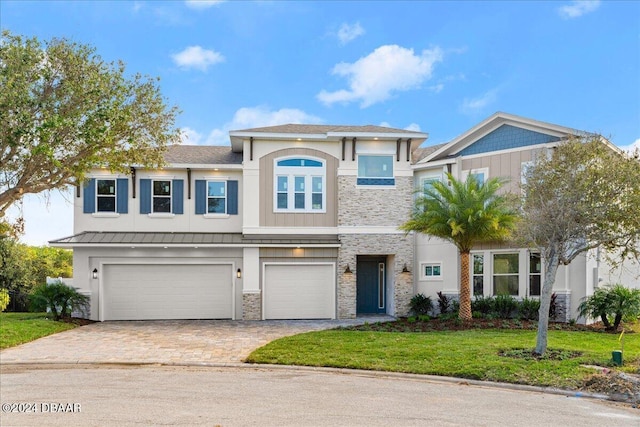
(161, 291)
(300, 291)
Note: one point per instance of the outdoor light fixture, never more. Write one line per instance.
(405, 269)
(95, 273)
(239, 274)
(347, 270)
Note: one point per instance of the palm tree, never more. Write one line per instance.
(465, 214)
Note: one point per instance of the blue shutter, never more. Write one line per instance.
(232, 197)
(89, 202)
(145, 196)
(178, 196)
(201, 197)
(123, 195)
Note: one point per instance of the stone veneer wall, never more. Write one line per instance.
(399, 246)
(252, 306)
(360, 206)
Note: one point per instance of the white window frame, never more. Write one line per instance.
(226, 196)
(473, 274)
(529, 274)
(484, 171)
(306, 172)
(494, 274)
(115, 196)
(170, 196)
(430, 178)
(423, 273)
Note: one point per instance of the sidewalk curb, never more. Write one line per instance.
(343, 371)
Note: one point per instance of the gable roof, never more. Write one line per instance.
(202, 155)
(422, 152)
(537, 130)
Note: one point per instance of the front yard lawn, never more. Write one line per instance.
(502, 355)
(19, 328)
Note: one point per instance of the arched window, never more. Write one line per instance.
(299, 185)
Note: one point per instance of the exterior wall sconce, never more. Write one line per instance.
(405, 269)
(239, 274)
(94, 273)
(347, 270)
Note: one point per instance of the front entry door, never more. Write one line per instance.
(371, 285)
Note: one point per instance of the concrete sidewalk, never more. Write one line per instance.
(165, 341)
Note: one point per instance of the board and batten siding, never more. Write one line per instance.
(506, 165)
(269, 218)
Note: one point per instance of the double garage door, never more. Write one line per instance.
(302, 291)
(167, 291)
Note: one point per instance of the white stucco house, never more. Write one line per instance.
(299, 222)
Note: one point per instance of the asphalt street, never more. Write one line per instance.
(112, 395)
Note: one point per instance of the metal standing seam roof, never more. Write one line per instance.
(89, 238)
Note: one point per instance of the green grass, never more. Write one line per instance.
(20, 328)
(472, 354)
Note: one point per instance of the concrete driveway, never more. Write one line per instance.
(178, 342)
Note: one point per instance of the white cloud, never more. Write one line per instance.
(348, 33)
(202, 4)
(137, 5)
(189, 136)
(634, 146)
(413, 127)
(197, 57)
(577, 8)
(388, 69)
(473, 105)
(250, 117)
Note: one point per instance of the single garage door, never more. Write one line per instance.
(167, 291)
(302, 291)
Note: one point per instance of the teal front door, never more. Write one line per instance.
(371, 285)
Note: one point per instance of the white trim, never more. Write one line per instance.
(370, 230)
(264, 281)
(293, 172)
(114, 196)
(105, 214)
(162, 215)
(485, 171)
(511, 150)
(215, 216)
(424, 277)
(163, 261)
(215, 178)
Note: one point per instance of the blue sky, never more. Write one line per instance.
(437, 67)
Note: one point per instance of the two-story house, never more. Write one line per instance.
(300, 222)
(289, 222)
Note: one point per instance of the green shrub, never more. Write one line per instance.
(58, 298)
(421, 305)
(612, 303)
(528, 309)
(4, 299)
(444, 303)
(483, 306)
(504, 306)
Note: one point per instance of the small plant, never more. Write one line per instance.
(612, 304)
(58, 298)
(482, 305)
(424, 318)
(444, 303)
(4, 299)
(421, 305)
(504, 306)
(528, 309)
(411, 319)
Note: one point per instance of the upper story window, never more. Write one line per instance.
(104, 196)
(217, 197)
(481, 175)
(161, 196)
(375, 169)
(299, 185)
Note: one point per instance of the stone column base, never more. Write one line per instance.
(252, 306)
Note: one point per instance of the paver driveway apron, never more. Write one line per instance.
(165, 341)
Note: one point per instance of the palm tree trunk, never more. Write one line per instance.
(464, 312)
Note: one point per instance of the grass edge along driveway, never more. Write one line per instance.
(472, 354)
(20, 328)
